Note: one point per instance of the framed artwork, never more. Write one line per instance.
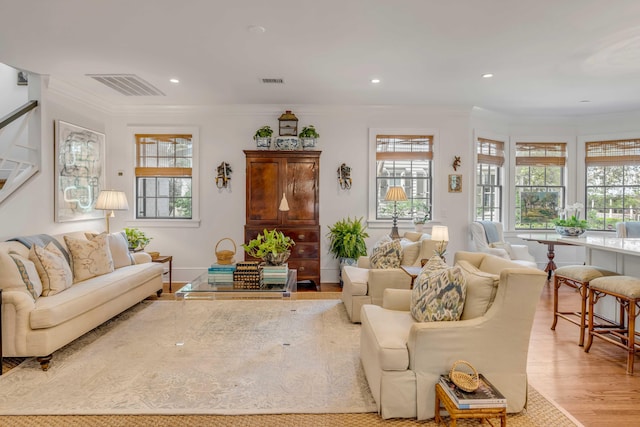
(79, 172)
(455, 183)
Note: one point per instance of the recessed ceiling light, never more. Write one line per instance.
(585, 101)
(375, 80)
(487, 75)
(174, 80)
(256, 29)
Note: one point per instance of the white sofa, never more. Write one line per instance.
(403, 359)
(38, 326)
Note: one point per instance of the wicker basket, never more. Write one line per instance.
(225, 256)
(465, 381)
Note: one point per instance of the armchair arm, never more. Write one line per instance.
(141, 257)
(396, 299)
(363, 262)
(16, 311)
(381, 279)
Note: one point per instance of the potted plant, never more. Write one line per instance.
(347, 241)
(272, 246)
(309, 137)
(137, 239)
(419, 220)
(569, 223)
(263, 137)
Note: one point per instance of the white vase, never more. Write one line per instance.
(419, 227)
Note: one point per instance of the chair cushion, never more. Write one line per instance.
(388, 332)
(89, 258)
(582, 273)
(388, 255)
(439, 293)
(622, 285)
(481, 290)
(53, 270)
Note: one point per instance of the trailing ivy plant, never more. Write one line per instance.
(273, 241)
(346, 238)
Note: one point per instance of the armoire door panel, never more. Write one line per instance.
(262, 192)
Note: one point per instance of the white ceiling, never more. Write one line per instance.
(547, 55)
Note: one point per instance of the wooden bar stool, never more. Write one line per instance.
(626, 290)
(577, 277)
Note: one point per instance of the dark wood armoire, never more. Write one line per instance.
(296, 174)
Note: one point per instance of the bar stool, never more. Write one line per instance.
(626, 290)
(577, 277)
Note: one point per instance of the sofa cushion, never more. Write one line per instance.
(389, 331)
(387, 255)
(439, 293)
(52, 267)
(89, 258)
(119, 248)
(481, 290)
(90, 294)
(28, 273)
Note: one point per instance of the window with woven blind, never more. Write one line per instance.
(405, 161)
(164, 176)
(490, 158)
(612, 182)
(540, 183)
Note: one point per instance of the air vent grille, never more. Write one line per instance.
(127, 84)
(273, 81)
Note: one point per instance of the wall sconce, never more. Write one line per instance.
(288, 124)
(344, 177)
(224, 175)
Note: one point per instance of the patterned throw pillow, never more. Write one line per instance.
(439, 294)
(28, 274)
(89, 258)
(119, 248)
(387, 256)
(52, 267)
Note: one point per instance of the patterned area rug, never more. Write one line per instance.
(239, 357)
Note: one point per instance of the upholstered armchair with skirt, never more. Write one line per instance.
(488, 237)
(403, 359)
(629, 229)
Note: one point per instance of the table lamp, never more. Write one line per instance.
(395, 195)
(111, 200)
(440, 233)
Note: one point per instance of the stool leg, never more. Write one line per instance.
(590, 317)
(631, 342)
(556, 285)
(584, 294)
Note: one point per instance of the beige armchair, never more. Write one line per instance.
(498, 247)
(403, 359)
(364, 285)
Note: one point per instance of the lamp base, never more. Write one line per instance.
(394, 233)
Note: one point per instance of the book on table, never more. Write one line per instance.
(486, 396)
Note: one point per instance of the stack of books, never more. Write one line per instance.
(486, 396)
(247, 275)
(219, 273)
(273, 275)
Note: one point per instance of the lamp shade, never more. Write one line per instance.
(440, 233)
(395, 194)
(112, 200)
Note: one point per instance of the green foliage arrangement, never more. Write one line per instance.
(309, 132)
(269, 242)
(263, 132)
(136, 238)
(346, 238)
(569, 217)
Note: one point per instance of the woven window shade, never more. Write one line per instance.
(404, 147)
(541, 154)
(613, 153)
(490, 152)
(157, 155)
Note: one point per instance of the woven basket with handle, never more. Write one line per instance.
(464, 380)
(225, 256)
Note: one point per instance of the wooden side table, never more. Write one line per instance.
(456, 414)
(162, 259)
(412, 272)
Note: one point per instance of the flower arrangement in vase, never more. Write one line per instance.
(569, 223)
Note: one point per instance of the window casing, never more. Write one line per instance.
(612, 182)
(490, 159)
(539, 184)
(164, 176)
(404, 160)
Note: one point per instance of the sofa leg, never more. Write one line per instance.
(44, 361)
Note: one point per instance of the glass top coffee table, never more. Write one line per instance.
(201, 288)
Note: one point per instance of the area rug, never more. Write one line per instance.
(239, 357)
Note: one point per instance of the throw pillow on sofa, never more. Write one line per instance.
(387, 256)
(439, 292)
(410, 251)
(28, 273)
(481, 290)
(89, 258)
(119, 248)
(53, 269)
(12, 277)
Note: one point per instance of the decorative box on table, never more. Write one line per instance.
(247, 275)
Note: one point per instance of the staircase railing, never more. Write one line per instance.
(18, 161)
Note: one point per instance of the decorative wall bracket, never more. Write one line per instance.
(224, 175)
(344, 176)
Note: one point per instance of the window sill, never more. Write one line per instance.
(165, 223)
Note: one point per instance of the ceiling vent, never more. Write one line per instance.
(273, 81)
(127, 84)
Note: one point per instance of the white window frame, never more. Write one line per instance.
(505, 188)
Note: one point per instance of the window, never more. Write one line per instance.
(489, 180)
(612, 182)
(163, 176)
(540, 183)
(404, 161)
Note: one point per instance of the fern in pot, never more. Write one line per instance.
(347, 241)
